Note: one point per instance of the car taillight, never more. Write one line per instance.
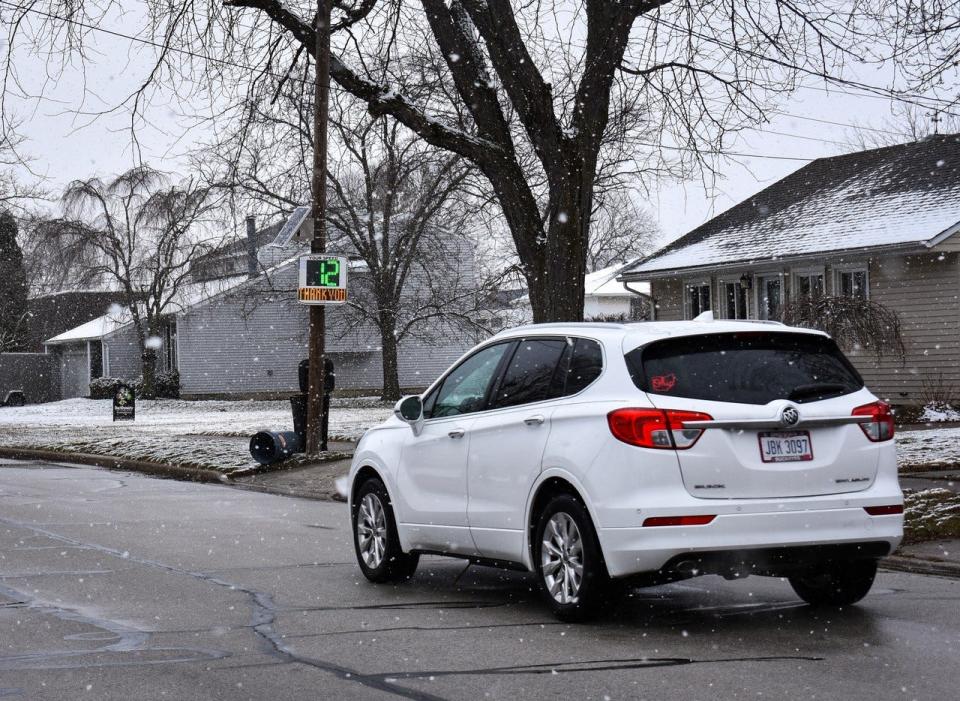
(889, 510)
(880, 426)
(656, 428)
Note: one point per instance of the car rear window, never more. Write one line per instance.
(746, 368)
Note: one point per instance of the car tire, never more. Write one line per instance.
(569, 563)
(375, 538)
(836, 583)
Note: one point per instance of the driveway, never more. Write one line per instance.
(120, 586)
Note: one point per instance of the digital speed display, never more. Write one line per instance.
(322, 280)
(323, 272)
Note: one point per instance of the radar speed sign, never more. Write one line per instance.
(323, 280)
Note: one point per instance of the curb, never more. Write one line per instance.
(915, 565)
(183, 472)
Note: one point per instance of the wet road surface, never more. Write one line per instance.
(119, 586)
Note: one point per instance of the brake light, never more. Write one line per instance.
(678, 521)
(890, 510)
(880, 426)
(656, 428)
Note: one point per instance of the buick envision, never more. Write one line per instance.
(595, 453)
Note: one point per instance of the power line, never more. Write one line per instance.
(234, 64)
(871, 91)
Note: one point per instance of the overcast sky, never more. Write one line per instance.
(65, 146)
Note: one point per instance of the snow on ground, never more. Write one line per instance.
(937, 413)
(931, 448)
(210, 434)
(214, 434)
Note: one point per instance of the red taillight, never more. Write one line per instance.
(656, 428)
(880, 426)
(678, 521)
(890, 510)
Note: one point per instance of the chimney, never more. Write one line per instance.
(252, 262)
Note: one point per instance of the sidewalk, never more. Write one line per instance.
(309, 481)
(936, 557)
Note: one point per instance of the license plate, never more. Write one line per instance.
(785, 446)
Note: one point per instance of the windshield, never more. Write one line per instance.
(747, 368)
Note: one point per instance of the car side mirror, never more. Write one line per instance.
(410, 410)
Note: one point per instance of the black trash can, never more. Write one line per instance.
(298, 405)
(270, 446)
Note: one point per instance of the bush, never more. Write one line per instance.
(104, 387)
(166, 385)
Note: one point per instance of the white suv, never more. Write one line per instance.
(650, 452)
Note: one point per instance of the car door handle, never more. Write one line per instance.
(456, 433)
(534, 420)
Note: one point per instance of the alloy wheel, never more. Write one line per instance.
(561, 558)
(372, 531)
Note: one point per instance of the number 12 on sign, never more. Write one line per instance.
(322, 280)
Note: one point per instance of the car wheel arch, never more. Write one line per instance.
(550, 484)
(363, 474)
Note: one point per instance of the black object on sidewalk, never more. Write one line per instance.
(298, 402)
(270, 446)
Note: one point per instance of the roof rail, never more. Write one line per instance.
(565, 324)
(762, 321)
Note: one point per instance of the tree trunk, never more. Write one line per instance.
(149, 367)
(388, 352)
(556, 286)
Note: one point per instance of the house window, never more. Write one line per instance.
(769, 297)
(96, 359)
(734, 300)
(698, 299)
(853, 283)
(809, 286)
(170, 345)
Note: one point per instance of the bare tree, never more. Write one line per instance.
(853, 323)
(907, 123)
(396, 203)
(550, 96)
(141, 235)
(620, 231)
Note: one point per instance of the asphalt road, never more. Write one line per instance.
(119, 586)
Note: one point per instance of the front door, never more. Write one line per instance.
(507, 445)
(432, 480)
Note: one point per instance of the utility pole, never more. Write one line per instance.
(321, 110)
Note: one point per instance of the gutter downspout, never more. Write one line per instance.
(648, 298)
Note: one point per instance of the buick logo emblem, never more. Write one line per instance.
(789, 416)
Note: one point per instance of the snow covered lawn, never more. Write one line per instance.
(209, 434)
(928, 449)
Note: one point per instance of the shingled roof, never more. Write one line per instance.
(905, 196)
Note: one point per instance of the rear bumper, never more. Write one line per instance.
(757, 542)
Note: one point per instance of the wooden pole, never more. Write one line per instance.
(319, 187)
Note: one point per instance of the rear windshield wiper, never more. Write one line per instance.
(821, 389)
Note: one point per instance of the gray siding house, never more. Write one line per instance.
(244, 336)
(880, 225)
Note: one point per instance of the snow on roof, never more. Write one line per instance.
(92, 330)
(604, 283)
(187, 296)
(893, 196)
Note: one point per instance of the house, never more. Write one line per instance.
(237, 331)
(880, 225)
(605, 298)
(52, 313)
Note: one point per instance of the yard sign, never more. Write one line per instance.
(323, 280)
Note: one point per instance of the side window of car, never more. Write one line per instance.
(586, 364)
(465, 389)
(530, 375)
